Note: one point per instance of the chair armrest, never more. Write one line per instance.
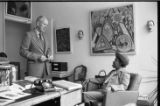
(120, 98)
(92, 84)
(96, 80)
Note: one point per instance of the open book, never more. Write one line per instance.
(67, 84)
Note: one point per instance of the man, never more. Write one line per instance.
(117, 79)
(36, 50)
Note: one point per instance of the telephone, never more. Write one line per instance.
(43, 85)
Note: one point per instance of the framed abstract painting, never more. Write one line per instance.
(112, 29)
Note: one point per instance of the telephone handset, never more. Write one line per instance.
(43, 85)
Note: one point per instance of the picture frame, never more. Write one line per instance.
(18, 11)
(111, 30)
(63, 40)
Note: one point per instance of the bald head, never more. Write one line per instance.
(41, 18)
(41, 23)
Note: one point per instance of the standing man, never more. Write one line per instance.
(36, 50)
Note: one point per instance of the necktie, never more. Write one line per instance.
(40, 36)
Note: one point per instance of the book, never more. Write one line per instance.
(31, 78)
(24, 84)
(67, 84)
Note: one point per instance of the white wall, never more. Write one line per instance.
(14, 33)
(76, 15)
(11, 34)
(1, 28)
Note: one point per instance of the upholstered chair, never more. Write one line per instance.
(79, 74)
(122, 98)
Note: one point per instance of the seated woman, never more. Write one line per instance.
(117, 79)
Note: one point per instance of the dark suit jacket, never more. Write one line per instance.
(32, 49)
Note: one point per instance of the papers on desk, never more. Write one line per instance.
(24, 84)
(5, 101)
(67, 84)
(15, 91)
(21, 85)
(9, 96)
(31, 78)
(13, 95)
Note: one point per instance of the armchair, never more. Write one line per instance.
(79, 74)
(121, 98)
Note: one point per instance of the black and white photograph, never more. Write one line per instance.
(19, 9)
(79, 52)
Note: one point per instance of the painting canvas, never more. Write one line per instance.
(112, 29)
(62, 38)
(19, 9)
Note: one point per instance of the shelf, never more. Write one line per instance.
(13, 12)
(18, 19)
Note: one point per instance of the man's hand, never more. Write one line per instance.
(50, 58)
(43, 58)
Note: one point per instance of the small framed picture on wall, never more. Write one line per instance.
(62, 40)
(18, 11)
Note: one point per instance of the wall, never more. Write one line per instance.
(14, 33)
(1, 27)
(76, 16)
(11, 34)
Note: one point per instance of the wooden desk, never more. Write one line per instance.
(67, 98)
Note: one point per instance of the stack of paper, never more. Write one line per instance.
(13, 95)
(7, 97)
(67, 84)
(5, 101)
(31, 78)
